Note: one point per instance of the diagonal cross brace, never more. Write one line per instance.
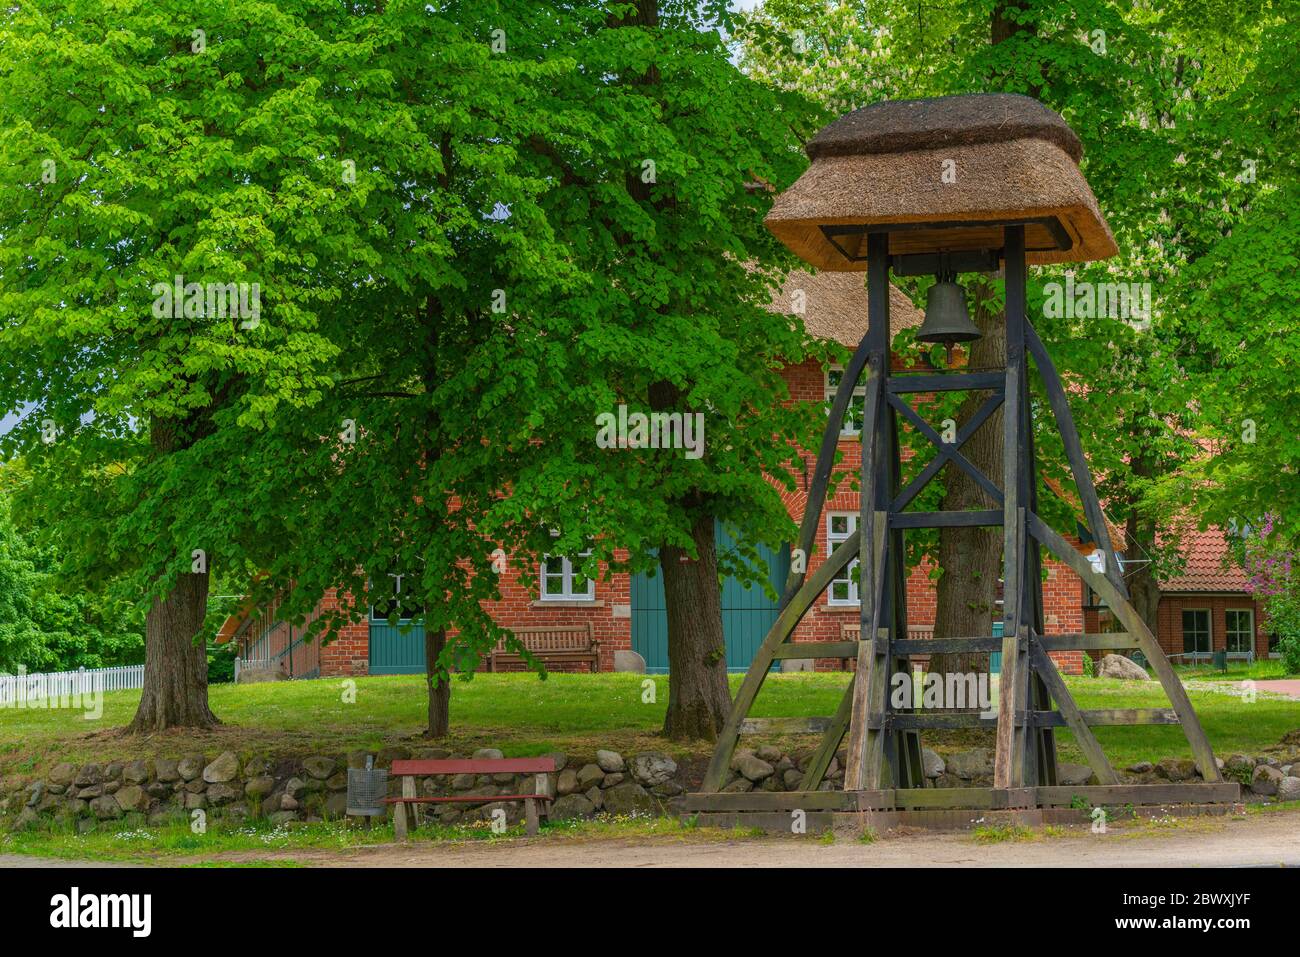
(948, 451)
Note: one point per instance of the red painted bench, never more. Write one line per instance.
(408, 771)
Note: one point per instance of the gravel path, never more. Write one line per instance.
(1266, 840)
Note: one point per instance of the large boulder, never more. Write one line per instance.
(106, 808)
(629, 798)
(566, 782)
(131, 797)
(222, 793)
(190, 767)
(611, 762)
(1073, 774)
(571, 806)
(166, 770)
(136, 772)
(1176, 769)
(589, 775)
(968, 765)
(751, 767)
(224, 768)
(1265, 780)
(319, 766)
(63, 774)
(1288, 789)
(651, 768)
(259, 787)
(1126, 669)
(931, 763)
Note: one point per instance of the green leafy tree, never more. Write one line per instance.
(1168, 105)
(203, 141)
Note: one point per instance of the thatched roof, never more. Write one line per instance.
(835, 306)
(901, 126)
(1010, 159)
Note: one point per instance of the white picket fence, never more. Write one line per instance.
(54, 684)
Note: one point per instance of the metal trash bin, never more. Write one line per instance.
(367, 788)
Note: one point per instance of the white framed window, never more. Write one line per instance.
(852, 424)
(1239, 630)
(403, 603)
(843, 589)
(562, 580)
(1196, 631)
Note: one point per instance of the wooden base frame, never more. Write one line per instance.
(883, 767)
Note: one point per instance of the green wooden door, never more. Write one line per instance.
(396, 649)
(747, 613)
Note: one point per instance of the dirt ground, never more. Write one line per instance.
(1267, 840)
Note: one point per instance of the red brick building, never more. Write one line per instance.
(624, 613)
(1209, 607)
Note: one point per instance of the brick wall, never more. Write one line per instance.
(609, 615)
(1170, 619)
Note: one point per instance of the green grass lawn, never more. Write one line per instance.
(573, 713)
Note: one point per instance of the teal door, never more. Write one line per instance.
(396, 649)
(747, 614)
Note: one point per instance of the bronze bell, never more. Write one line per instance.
(946, 317)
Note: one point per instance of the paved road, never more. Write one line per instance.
(1287, 686)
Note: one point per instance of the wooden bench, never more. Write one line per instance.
(850, 632)
(551, 644)
(408, 771)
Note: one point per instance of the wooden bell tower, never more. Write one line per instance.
(975, 183)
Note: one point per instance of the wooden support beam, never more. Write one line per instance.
(1083, 735)
(904, 498)
(945, 382)
(815, 770)
(816, 649)
(985, 517)
(1008, 762)
(777, 726)
(781, 629)
(1060, 405)
(946, 646)
(1108, 641)
(1187, 792)
(949, 451)
(772, 801)
(1202, 752)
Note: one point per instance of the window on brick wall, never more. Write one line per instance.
(843, 588)
(563, 581)
(1196, 631)
(1240, 629)
(853, 418)
(403, 602)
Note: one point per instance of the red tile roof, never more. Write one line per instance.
(1209, 564)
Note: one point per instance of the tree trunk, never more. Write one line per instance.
(175, 691)
(439, 686)
(971, 558)
(698, 697)
(1144, 589)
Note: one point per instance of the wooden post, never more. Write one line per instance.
(1008, 765)
(399, 810)
(862, 770)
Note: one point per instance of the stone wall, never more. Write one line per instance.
(283, 790)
